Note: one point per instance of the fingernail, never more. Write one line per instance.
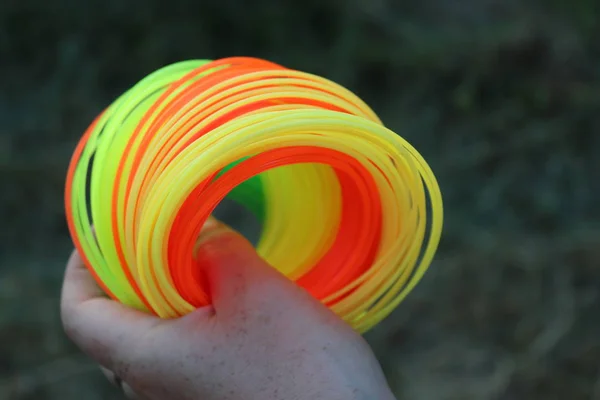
(129, 392)
(212, 227)
(211, 223)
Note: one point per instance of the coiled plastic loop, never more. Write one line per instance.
(350, 211)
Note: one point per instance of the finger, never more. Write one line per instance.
(110, 376)
(129, 392)
(119, 383)
(104, 329)
(237, 276)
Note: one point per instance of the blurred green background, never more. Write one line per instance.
(502, 97)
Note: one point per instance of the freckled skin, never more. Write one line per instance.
(264, 338)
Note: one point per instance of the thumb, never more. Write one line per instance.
(236, 275)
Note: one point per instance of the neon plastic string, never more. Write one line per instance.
(350, 211)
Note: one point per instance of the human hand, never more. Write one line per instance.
(264, 338)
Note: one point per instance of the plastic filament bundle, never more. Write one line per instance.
(349, 210)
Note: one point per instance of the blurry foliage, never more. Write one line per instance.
(500, 96)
